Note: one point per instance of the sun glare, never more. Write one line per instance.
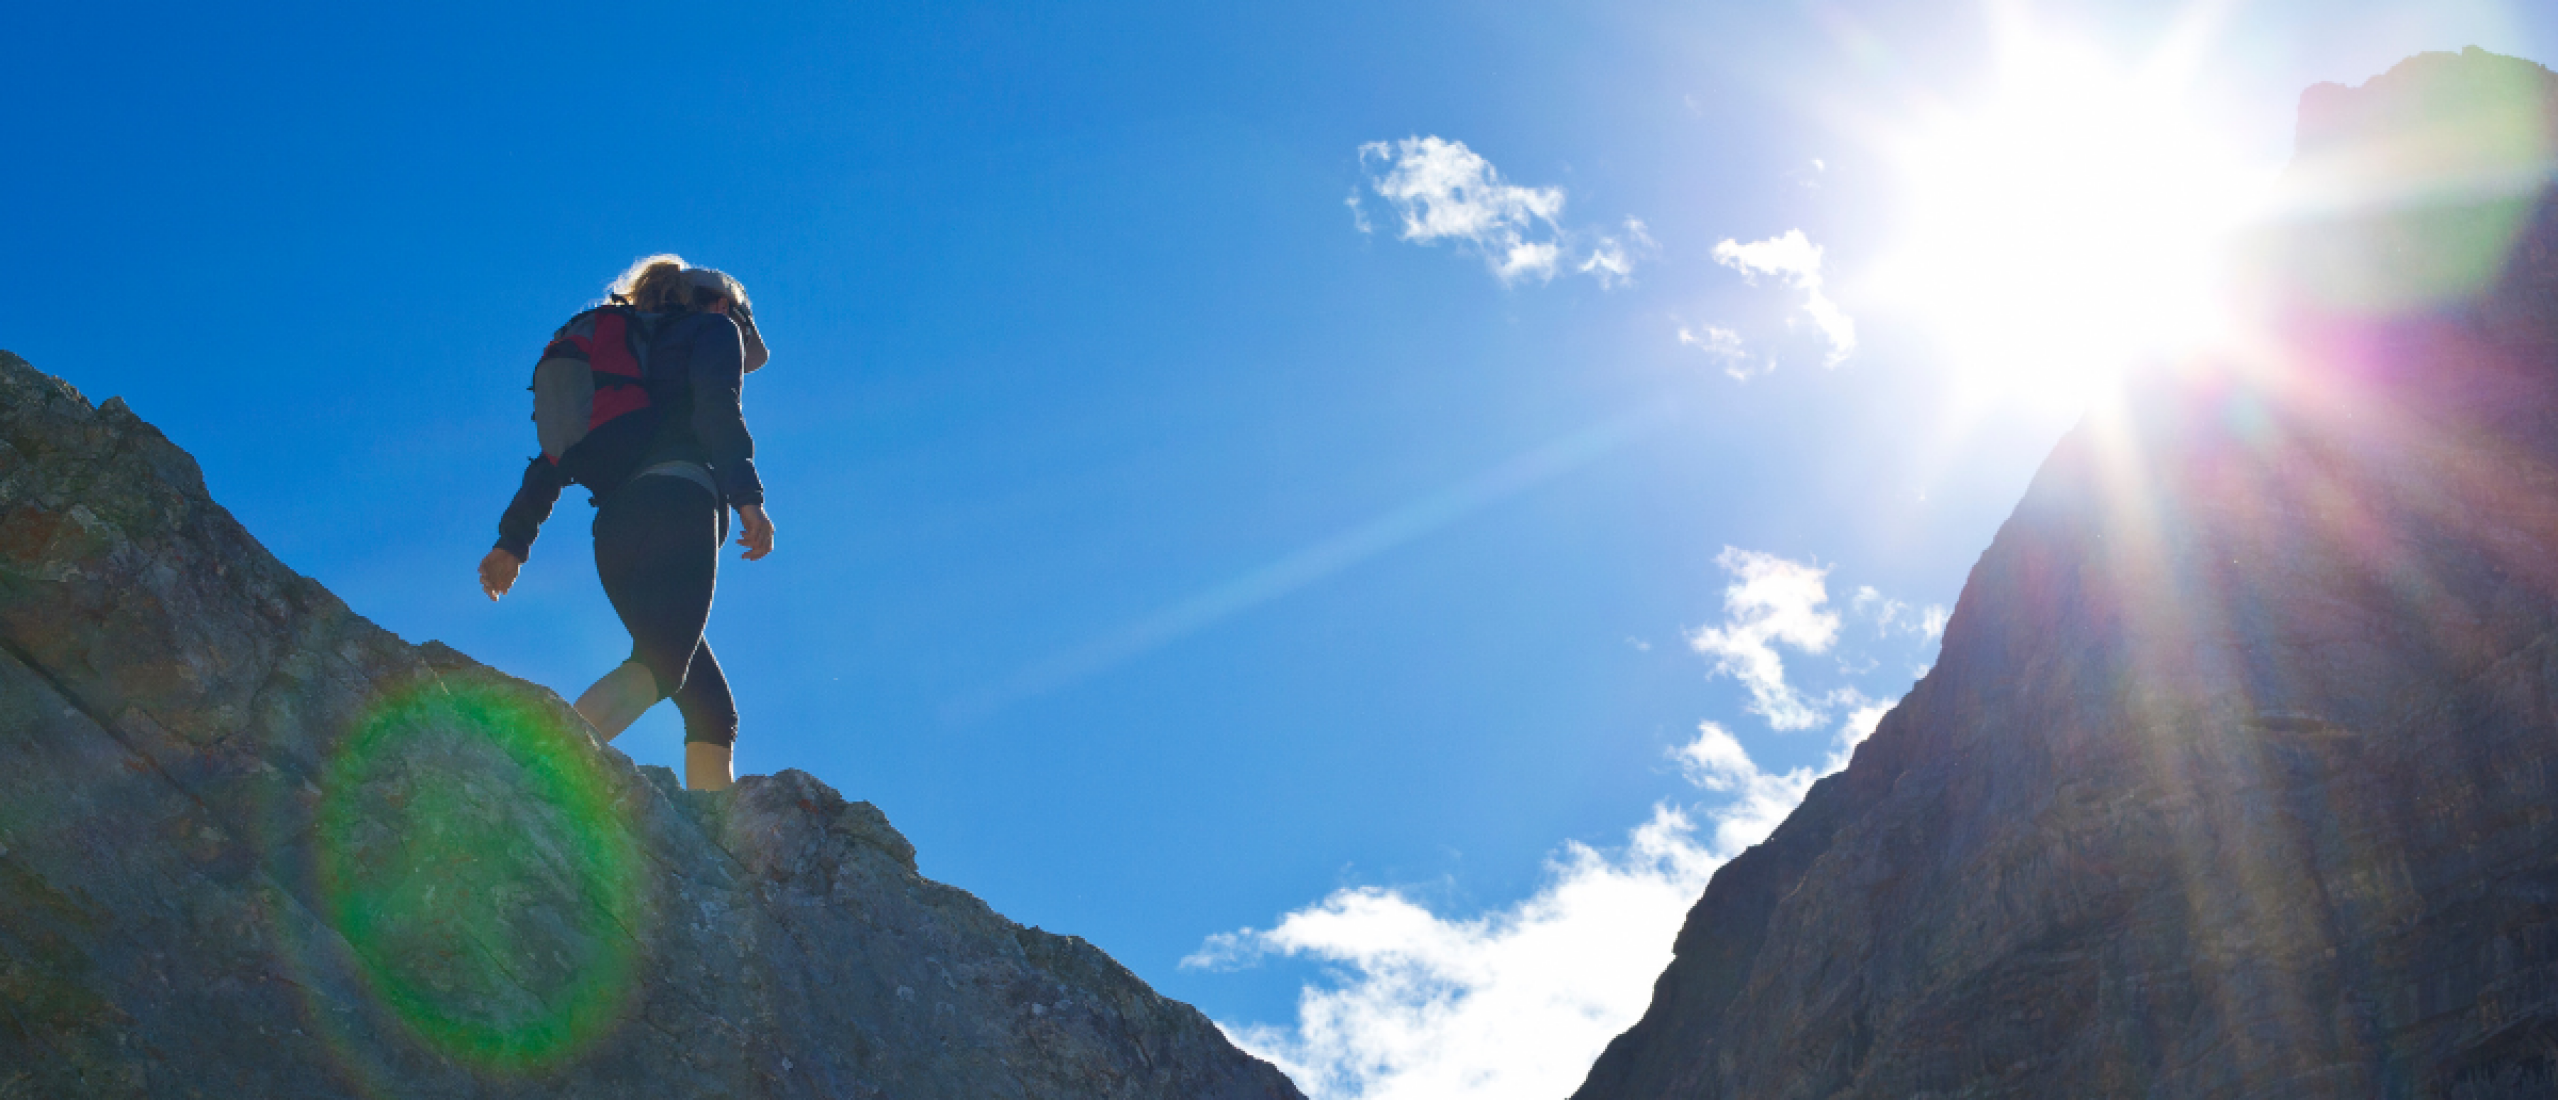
(2066, 226)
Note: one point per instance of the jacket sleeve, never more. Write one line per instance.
(532, 504)
(718, 370)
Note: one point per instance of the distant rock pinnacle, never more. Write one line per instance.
(2238, 774)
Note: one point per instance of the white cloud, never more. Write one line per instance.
(1771, 601)
(1761, 799)
(1611, 260)
(1891, 616)
(1514, 1003)
(1518, 1002)
(1795, 258)
(1726, 346)
(1442, 191)
(1861, 720)
(1527, 258)
(1717, 762)
(1882, 610)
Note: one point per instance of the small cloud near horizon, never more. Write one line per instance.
(1518, 1000)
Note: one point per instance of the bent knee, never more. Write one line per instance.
(711, 721)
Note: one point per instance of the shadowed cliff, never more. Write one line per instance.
(2238, 773)
(253, 845)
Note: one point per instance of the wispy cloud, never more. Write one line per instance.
(1890, 616)
(1717, 762)
(1440, 190)
(1443, 191)
(1518, 1001)
(1797, 260)
(1612, 257)
(1770, 602)
(1761, 800)
(1728, 347)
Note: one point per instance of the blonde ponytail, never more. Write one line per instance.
(663, 283)
(654, 284)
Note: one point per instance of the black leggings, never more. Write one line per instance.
(657, 541)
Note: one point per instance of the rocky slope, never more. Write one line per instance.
(253, 845)
(2238, 773)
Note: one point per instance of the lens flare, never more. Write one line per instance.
(2391, 215)
(471, 852)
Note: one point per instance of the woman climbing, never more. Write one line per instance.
(637, 399)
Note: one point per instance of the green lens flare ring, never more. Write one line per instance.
(473, 854)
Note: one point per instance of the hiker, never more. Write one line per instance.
(637, 399)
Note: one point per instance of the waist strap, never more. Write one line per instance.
(689, 471)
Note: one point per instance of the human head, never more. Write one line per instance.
(664, 283)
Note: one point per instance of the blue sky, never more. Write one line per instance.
(1164, 552)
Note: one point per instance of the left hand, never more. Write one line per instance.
(756, 531)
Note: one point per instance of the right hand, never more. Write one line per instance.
(497, 572)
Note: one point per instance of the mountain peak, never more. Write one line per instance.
(2232, 778)
(253, 845)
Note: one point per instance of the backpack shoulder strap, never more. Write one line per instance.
(607, 338)
(576, 338)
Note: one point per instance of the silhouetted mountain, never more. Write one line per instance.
(2238, 773)
(252, 845)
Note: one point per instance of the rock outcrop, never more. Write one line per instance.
(252, 845)
(2238, 773)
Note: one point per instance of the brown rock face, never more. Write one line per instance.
(252, 845)
(2238, 774)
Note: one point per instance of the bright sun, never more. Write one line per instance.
(2067, 226)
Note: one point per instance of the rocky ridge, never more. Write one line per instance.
(2238, 773)
(253, 845)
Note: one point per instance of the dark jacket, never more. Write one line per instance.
(696, 362)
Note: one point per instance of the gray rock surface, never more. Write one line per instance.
(2238, 773)
(252, 845)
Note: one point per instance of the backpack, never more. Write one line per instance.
(594, 373)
